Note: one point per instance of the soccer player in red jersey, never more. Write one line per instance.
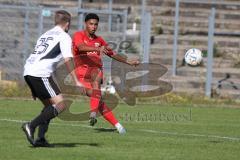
(88, 49)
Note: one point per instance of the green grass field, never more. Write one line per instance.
(153, 132)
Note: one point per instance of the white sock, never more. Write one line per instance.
(93, 114)
(118, 126)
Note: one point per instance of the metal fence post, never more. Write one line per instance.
(110, 16)
(147, 36)
(146, 48)
(80, 19)
(80, 15)
(142, 27)
(26, 33)
(125, 25)
(40, 21)
(211, 26)
(175, 45)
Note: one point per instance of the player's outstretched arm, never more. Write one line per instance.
(119, 57)
(125, 59)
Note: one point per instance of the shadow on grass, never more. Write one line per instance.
(105, 129)
(215, 141)
(60, 145)
(69, 145)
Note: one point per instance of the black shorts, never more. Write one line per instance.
(42, 87)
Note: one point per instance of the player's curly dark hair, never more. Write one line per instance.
(91, 16)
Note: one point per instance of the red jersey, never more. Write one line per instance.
(91, 59)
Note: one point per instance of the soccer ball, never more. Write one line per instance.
(193, 57)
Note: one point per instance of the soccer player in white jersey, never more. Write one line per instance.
(52, 47)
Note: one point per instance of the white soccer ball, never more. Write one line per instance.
(110, 89)
(193, 57)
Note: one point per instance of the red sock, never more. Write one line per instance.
(95, 100)
(108, 114)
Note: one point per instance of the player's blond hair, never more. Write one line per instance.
(62, 17)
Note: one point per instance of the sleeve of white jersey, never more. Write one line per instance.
(66, 46)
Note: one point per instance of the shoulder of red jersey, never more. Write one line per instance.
(78, 33)
(103, 42)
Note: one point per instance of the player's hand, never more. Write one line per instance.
(81, 87)
(104, 50)
(133, 62)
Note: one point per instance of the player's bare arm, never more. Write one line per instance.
(124, 59)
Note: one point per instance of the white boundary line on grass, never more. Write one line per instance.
(58, 124)
(192, 135)
(142, 130)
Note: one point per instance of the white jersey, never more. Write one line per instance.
(51, 47)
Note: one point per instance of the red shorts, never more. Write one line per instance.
(88, 75)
